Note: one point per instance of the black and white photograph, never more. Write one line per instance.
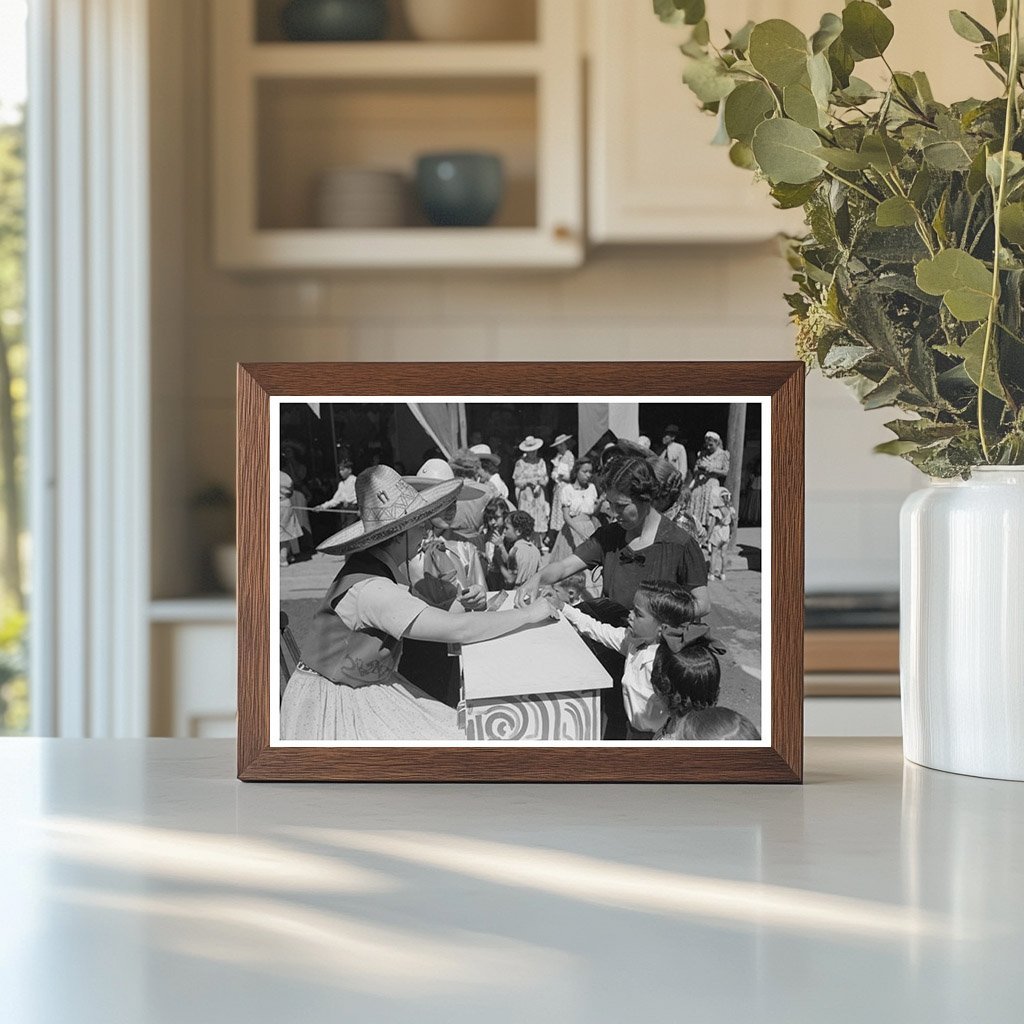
(545, 571)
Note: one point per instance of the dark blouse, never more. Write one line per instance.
(674, 556)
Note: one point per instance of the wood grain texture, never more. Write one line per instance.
(652, 762)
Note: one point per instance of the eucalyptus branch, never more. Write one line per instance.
(1000, 198)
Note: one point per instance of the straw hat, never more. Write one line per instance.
(388, 506)
(486, 455)
(530, 444)
(561, 439)
(435, 469)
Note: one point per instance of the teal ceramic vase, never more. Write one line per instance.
(333, 21)
(460, 189)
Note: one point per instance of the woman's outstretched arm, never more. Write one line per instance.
(443, 627)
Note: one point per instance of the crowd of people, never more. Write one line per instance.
(620, 543)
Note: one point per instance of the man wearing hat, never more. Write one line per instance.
(347, 685)
(674, 452)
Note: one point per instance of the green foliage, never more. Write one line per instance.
(903, 289)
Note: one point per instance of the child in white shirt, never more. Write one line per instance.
(650, 642)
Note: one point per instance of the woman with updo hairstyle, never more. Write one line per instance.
(638, 544)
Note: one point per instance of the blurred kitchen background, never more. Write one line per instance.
(267, 188)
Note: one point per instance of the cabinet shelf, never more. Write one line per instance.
(392, 60)
(286, 114)
(310, 248)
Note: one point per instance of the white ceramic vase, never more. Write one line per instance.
(962, 624)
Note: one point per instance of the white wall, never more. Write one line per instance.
(720, 302)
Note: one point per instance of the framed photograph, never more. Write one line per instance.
(517, 572)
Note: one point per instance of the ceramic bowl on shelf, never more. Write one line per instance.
(470, 20)
(460, 189)
(334, 21)
(361, 198)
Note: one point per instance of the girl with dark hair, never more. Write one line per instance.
(713, 724)
(687, 679)
(651, 640)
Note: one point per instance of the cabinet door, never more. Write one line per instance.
(654, 175)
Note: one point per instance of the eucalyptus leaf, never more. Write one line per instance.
(947, 156)
(969, 28)
(779, 51)
(820, 76)
(789, 197)
(844, 159)
(785, 152)
(676, 12)
(800, 105)
(994, 168)
(883, 153)
(739, 41)
(972, 352)
(895, 447)
(829, 30)
(866, 29)
(963, 281)
(1012, 223)
(741, 155)
(895, 212)
(708, 81)
(884, 395)
(745, 108)
(841, 60)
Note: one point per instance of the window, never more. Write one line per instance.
(14, 704)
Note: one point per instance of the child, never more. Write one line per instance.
(492, 536)
(572, 590)
(714, 724)
(722, 514)
(345, 495)
(650, 642)
(520, 556)
(688, 682)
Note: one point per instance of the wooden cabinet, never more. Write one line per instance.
(654, 176)
(286, 113)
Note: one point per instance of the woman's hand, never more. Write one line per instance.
(542, 609)
(527, 593)
(474, 598)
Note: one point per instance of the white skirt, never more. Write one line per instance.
(314, 708)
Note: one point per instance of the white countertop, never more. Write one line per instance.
(142, 884)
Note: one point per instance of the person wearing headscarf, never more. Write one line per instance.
(530, 477)
(709, 473)
(347, 685)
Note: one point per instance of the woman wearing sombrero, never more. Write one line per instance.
(347, 685)
(531, 478)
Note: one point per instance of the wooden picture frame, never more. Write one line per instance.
(780, 759)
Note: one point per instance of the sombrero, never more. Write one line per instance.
(530, 444)
(561, 439)
(467, 492)
(388, 506)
